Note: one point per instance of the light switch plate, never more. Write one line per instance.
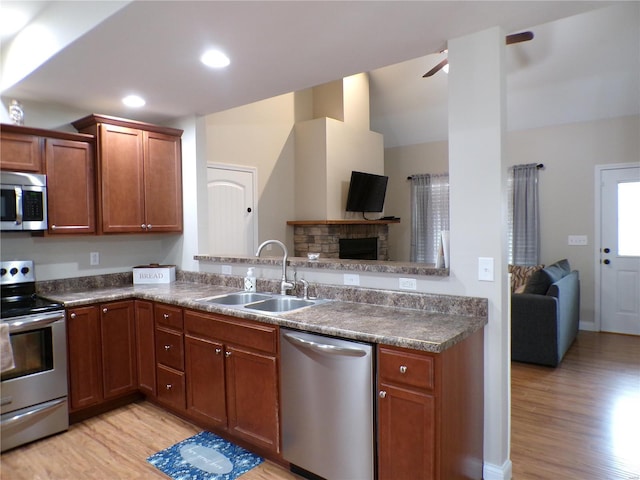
(485, 269)
(578, 240)
(94, 258)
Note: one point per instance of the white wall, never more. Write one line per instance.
(569, 152)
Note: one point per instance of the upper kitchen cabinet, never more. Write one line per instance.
(69, 165)
(20, 150)
(139, 173)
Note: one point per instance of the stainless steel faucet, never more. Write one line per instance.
(285, 284)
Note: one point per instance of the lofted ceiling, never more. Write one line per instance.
(97, 52)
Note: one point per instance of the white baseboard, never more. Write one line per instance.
(497, 472)
(588, 325)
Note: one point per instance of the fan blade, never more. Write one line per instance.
(436, 69)
(519, 37)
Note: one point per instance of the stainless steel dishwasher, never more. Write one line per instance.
(327, 405)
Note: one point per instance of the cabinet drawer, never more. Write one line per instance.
(168, 316)
(255, 335)
(403, 368)
(171, 387)
(169, 348)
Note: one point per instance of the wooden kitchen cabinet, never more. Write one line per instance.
(430, 412)
(69, 166)
(169, 353)
(20, 149)
(102, 357)
(231, 369)
(145, 347)
(139, 169)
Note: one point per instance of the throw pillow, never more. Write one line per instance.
(538, 283)
(520, 274)
(558, 270)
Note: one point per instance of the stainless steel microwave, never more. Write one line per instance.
(24, 201)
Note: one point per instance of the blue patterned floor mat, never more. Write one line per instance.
(204, 456)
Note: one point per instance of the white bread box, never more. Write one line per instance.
(154, 273)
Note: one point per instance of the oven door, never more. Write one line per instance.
(40, 355)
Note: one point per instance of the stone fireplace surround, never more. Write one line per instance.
(322, 236)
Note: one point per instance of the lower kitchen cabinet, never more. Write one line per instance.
(430, 412)
(232, 376)
(146, 347)
(169, 354)
(102, 353)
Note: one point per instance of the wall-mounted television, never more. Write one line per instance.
(366, 192)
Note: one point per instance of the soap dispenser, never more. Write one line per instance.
(250, 281)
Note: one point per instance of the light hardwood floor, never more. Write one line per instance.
(579, 421)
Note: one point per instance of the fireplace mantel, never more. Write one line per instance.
(342, 222)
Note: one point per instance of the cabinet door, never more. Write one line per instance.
(204, 369)
(252, 397)
(162, 182)
(20, 152)
(121, 180)
(70, 186)
(406, 429)
(118, 348)
(85, 361)
(145, 344)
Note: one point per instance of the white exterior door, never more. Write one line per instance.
(620, 249)
(232, 217)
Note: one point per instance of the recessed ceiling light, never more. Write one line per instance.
(215, 59)
(133, 101)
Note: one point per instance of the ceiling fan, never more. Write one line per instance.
(510, 39)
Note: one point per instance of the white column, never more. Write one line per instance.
(477, 119)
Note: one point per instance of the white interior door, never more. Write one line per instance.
(232, 216)
(620, 250)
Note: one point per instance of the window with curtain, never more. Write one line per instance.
(429, 215)
(523, 215)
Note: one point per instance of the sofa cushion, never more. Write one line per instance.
(540, 281)
(520, 274)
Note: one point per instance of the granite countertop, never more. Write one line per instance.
(388, 325)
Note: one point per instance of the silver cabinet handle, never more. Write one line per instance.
(227, 354)
(53, 227)
(149, 226)
(143, 226)
(167, 348)
(165, 316)
(104, 310)
(403, 369)
(168, 387)
(73, 315)
(382, 394)
(218, 351)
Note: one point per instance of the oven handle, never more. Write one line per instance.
(23, 417)
(24, 324)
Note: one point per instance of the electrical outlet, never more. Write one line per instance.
(407, 283)
(351, 279)
(94, 258)
(226, 269)
(578, 240)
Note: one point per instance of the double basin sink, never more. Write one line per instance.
(262, 302)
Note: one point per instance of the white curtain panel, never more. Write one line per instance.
(524, 215)
(429, 215)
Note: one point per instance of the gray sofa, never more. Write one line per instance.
(545, 317)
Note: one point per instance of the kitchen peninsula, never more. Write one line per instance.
(429, 370)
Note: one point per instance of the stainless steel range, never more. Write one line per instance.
(33, 395)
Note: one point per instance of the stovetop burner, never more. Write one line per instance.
(18, 291)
